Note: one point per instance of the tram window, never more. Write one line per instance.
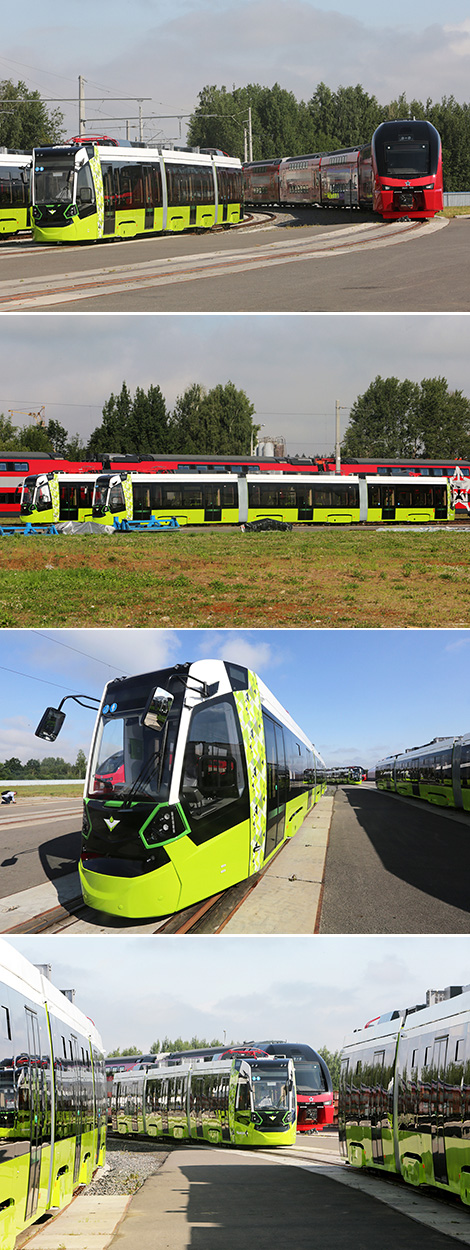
(230, 185)
(44, 497)
(152, 186)
(116, 498)
(238, 676)
(214, 782)
(212, 764)
(14, 186)
(465, 766)
(5, 1022)
(189, 184)
(85, 186)
(192, 495)
(243, 1096)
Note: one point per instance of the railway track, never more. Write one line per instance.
(209, 916)
(103, 280)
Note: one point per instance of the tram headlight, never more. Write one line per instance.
(37, 214)
(166, 824)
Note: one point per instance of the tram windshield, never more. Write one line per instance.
(130, 758)
(53, 183)
(407, 160)
(270, 1089)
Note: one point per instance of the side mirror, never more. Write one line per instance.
(50, 724)
(157, 709)
(85, 195)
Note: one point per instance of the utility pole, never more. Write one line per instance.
(338, 409)
(250, 137)
(81, 105)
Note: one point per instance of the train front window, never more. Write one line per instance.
(53, 183)
(270, 1090)
(309, 1078)
(407, 160)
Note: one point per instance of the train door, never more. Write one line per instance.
(276, 785)
(377, 1111)
(33, 1091)
(438, 1094)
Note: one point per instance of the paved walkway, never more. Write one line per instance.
(287, 898)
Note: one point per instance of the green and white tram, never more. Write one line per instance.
(47, 498)
(52, 1096)
(242, 1102)
(230, 498)
(15, 192)
(196, 777)
(438, 771)
(88, 191)
(404, 1099)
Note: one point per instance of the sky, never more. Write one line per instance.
(166, 53)
(139, 989)
(292, 367)
(358, 694)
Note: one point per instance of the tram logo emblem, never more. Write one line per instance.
(111, 823)
(460, 488)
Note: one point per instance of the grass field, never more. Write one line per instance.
(224, 578)
(23, 793)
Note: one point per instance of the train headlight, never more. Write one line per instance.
(37, 214)
(429, 186)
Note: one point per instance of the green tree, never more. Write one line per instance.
(442, 421)
(218, 422)
(136, 425)
(25, 122)
(58, 437)
(383, 420)
(405, 419)
(333, 1062)
(8, 434)
(147, 426)
(79, 767)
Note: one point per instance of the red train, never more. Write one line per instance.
(398, 175)
(13, 470)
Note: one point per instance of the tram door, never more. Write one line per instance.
(212, 503)
(277, 782)
(33, 1093)
(438, 1088)
(76, 1104)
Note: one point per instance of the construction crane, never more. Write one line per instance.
(37, 416)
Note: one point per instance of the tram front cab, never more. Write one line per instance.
(65, 203)
(39, 503)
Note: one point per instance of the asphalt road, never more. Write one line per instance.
(39, 841)
(429, 273)
(206, 1199)
(395, 866)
